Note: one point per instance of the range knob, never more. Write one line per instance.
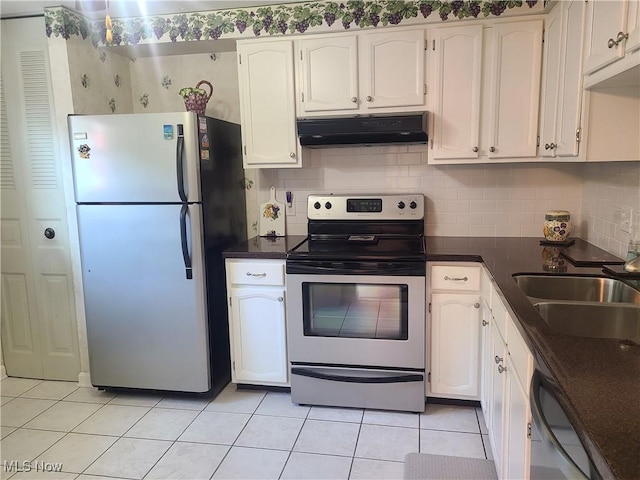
(413, 205)
(328, 205)
(317, 205)
(401, 205)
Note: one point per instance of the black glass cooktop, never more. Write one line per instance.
(361, 246)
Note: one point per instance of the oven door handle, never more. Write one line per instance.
(303, 372)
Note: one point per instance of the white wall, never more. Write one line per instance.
(147, 76)
(610, 191)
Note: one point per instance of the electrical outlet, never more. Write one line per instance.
(625, 220)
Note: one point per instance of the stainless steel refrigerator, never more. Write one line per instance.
(159, 197)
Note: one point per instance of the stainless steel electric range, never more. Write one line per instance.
(356, 303)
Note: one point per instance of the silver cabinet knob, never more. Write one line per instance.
(369, 98)
(612, 43)
(475, 149)
(280, 299)
(292, 155)
(354, 99)
(49, 233)
(476, 305)
(501, 369)
(492, 149)
(259, 275)
(498, 359)
(546, 146)
(484, 323)
(621, 36)
(553, 146)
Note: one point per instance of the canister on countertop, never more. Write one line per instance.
(557, 225)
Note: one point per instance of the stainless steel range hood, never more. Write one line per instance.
(350, 131)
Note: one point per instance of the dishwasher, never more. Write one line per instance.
(556, 451)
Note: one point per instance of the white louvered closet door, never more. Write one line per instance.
(39, 330)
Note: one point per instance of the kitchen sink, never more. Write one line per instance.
(599, 320)
(574, 288)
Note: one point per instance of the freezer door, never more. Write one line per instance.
(146, 320)
(135, 158)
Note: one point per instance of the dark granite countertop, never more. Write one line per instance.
(598, 380)
(264, 247)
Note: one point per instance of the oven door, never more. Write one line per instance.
(373, 321)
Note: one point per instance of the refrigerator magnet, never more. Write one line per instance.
(202, 124)
(204, 154)
(168, 132)
(204, 141)
(84, 150)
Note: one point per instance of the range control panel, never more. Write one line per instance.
(366, 207)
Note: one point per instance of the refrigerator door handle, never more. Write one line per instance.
(183, 239)
(180, 163)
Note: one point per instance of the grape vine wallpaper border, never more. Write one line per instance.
(270, 20)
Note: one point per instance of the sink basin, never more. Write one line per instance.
(599, 320)
(586, 289)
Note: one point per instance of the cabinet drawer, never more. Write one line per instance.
(256, 272)
(445, 277)
(521, 358)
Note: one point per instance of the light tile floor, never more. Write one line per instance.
(241, 434)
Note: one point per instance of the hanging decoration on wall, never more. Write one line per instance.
(112, 105)
(84, 80)
(116, 80)
(144, 100)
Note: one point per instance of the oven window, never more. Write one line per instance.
(355, 310)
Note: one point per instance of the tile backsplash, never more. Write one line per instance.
(469, 200)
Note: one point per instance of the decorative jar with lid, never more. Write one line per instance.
(557, 225)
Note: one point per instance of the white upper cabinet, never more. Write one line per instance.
(329, 73)
(516, 59)
(561, 102)
(605, 21)
(612, 43)
(485, 91)
(392, 69)
(455, 69)
(364, 72)
(267, 104)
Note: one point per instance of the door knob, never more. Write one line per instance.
(49, 233)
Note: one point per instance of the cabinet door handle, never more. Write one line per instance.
(369, 98)
(484, 323)
(280, 299)
(492, 149)
(354, 99)
(501, 369)
(292, 155)
(476, 305)
(455, 279)
(260, 275)
(475, 149)
(498, 359)
(621, 36)
(612, 43)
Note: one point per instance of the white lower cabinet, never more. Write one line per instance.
(507, 371)
(454, 331)
(257, 328)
